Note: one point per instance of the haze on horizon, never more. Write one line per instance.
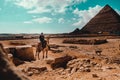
(56, 16)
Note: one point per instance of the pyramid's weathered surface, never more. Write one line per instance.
(106, 21)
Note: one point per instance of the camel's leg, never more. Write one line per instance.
(43, 54)
(36, 53)
(38, 56)
(46, 53)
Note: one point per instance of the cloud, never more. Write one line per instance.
(79, 1)
(117, 11)
(61, 20)
(39, 10)
(86, 15)
(27, 4)
(73, 19)
(0, 9)
(34, 16)
(42, 6)
(42, 20)
(27, 22)
(39, 20)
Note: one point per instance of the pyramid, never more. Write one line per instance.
(106, 21)
(76, 31)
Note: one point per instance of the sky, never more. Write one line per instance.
(49, 16)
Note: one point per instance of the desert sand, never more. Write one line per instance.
(86, 65)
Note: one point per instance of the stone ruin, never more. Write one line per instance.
(7, 70)
(85, 41)
(60, 62)
(21, 54)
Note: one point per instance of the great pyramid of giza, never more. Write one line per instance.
(106, 21)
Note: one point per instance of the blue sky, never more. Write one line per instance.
(49, 16)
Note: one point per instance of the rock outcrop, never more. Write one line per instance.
(79, 65)
(34, 70)
(60, 62)
(23, 53)
(7, 70)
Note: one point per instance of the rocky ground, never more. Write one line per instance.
(73, 61)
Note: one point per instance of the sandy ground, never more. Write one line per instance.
(110, 49)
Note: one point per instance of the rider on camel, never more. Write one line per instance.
(42, 40)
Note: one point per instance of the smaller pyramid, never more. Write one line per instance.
(76, 31)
